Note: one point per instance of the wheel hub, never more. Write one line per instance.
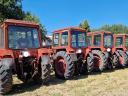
(60, 66)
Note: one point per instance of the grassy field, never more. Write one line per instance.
(114, 83)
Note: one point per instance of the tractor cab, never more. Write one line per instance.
(69, 46)
(100, 40)
(120, 50)
(100, 45)
(121, 42)
(20, 35)
(21, 52)
(72, 40)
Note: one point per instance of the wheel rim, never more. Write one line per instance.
(97, 61)
(60, 66)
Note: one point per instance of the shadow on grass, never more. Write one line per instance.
(97, 72)
(24, 87)
(31, 86)
(108, 70)
(55, 81)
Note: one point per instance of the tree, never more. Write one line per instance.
(115, 28)
(29, 17)
(84, 24)
(11, 9)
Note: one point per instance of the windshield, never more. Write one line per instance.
(119, 41)
(78, 39)
(108, 40)
(22, 37)
(97, 40)
(127, 41)
(89, 40)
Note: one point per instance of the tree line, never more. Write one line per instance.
(114, 28)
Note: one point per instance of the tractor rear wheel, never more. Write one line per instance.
(90, 63)
(63, 65)
(5, 75)
(100, 59)
(122, 58)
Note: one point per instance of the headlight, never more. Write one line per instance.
(108, 49)
(79, 51)
(25, 53)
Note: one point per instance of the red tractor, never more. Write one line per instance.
(21, 53)
(69, 49)
(100, 45)
(120, 56)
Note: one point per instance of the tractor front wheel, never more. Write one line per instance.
(45, 68)
(5, 75)
(63, 65)
(109, 61)
(115, 60)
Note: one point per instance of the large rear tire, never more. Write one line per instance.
(5, 75)
(90, 62)
(122, 58)
(101, 58)
(63, 65)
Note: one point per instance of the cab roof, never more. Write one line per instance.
(69, 28)
(100, 32)
(19, 22)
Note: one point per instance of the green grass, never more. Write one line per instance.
(105, 84)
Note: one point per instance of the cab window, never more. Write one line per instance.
(127, 41)
(97, 40)
(119, 41)
(108, 40)
(89, 40)
(56, 39)
(1, 38)
(64, 39)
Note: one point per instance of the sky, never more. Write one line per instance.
(55, 14)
